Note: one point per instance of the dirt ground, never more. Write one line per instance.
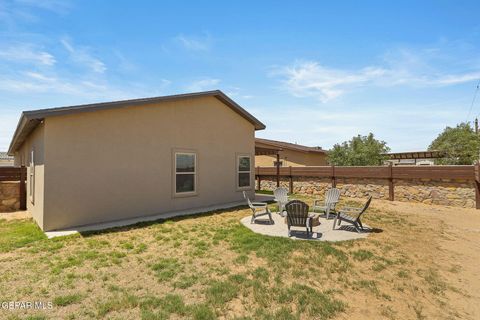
(452, 243)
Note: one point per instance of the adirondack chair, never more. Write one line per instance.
(297, 216)
(352, 215)
(328, 205)
(281, 196)
(258, 209)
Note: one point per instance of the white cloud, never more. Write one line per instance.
(312, 79)
(26, 53)
(193, 43)
(57, 6)
(82, 56)
(425, 68)
(203, 85)
(76, 86)
(236, 92)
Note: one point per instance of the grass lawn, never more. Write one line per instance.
(211, 267)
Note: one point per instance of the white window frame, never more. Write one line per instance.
(32, 177)
(238, 171)
(175, 173)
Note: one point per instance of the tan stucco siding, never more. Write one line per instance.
(116, 164)
(35, 142)
(316, 159)
(292, 158)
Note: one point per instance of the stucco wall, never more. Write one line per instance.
(116, 164)
(36, 142)
(292, 158)
(9, 196)
(459, 193)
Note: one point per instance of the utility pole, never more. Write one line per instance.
(476, 125)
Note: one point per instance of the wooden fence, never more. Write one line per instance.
(16, 174)
(390, 173)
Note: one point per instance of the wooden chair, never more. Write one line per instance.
(258, 209)
(331, 199)
(281, 197)
(297, 216)
(352, 215)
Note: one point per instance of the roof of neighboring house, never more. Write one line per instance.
(291, 146)
(30, 119)
(5, 156)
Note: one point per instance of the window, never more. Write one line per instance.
(185, 173)
(32, 177)
(243, 171)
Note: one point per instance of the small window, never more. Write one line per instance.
(185, 173)
(32, 176)
(243, 171)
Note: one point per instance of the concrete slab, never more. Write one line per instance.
(323, 232)
(127, 222)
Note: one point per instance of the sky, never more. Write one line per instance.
(315, 72)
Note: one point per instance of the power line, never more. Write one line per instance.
(473, 100)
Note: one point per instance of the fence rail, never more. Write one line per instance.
(390, 173)
(16, 174)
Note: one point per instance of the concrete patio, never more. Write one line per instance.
(323, 232)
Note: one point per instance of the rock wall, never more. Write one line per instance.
(459, 193)
(9, 196)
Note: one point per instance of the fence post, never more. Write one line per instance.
(477, 185)
(391, 190)
(23, 191)
(291, 180)
(278, 170)
(334, 181)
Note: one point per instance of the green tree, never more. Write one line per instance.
(460, 144)
(360, 151)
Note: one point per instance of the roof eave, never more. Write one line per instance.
(30, 119)
(270, 143)
(237, 108)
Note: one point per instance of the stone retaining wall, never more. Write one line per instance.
(459, 193)
(9, 196)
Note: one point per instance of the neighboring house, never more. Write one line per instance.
(291, 154)
(5, 160)
(412, 158)
(118, 160)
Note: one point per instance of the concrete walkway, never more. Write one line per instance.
(132, 221)
(323, 232)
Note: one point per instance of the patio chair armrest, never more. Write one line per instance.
(259, 204)
(350, 214)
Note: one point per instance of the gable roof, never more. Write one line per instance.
(290, 146)
(29, 120)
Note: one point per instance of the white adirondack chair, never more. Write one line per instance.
(328, 205)
(281, 197)
(258, 209)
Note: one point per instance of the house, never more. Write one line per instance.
(290, 154)
(5, 160)
(414, 158)
(111, 161)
